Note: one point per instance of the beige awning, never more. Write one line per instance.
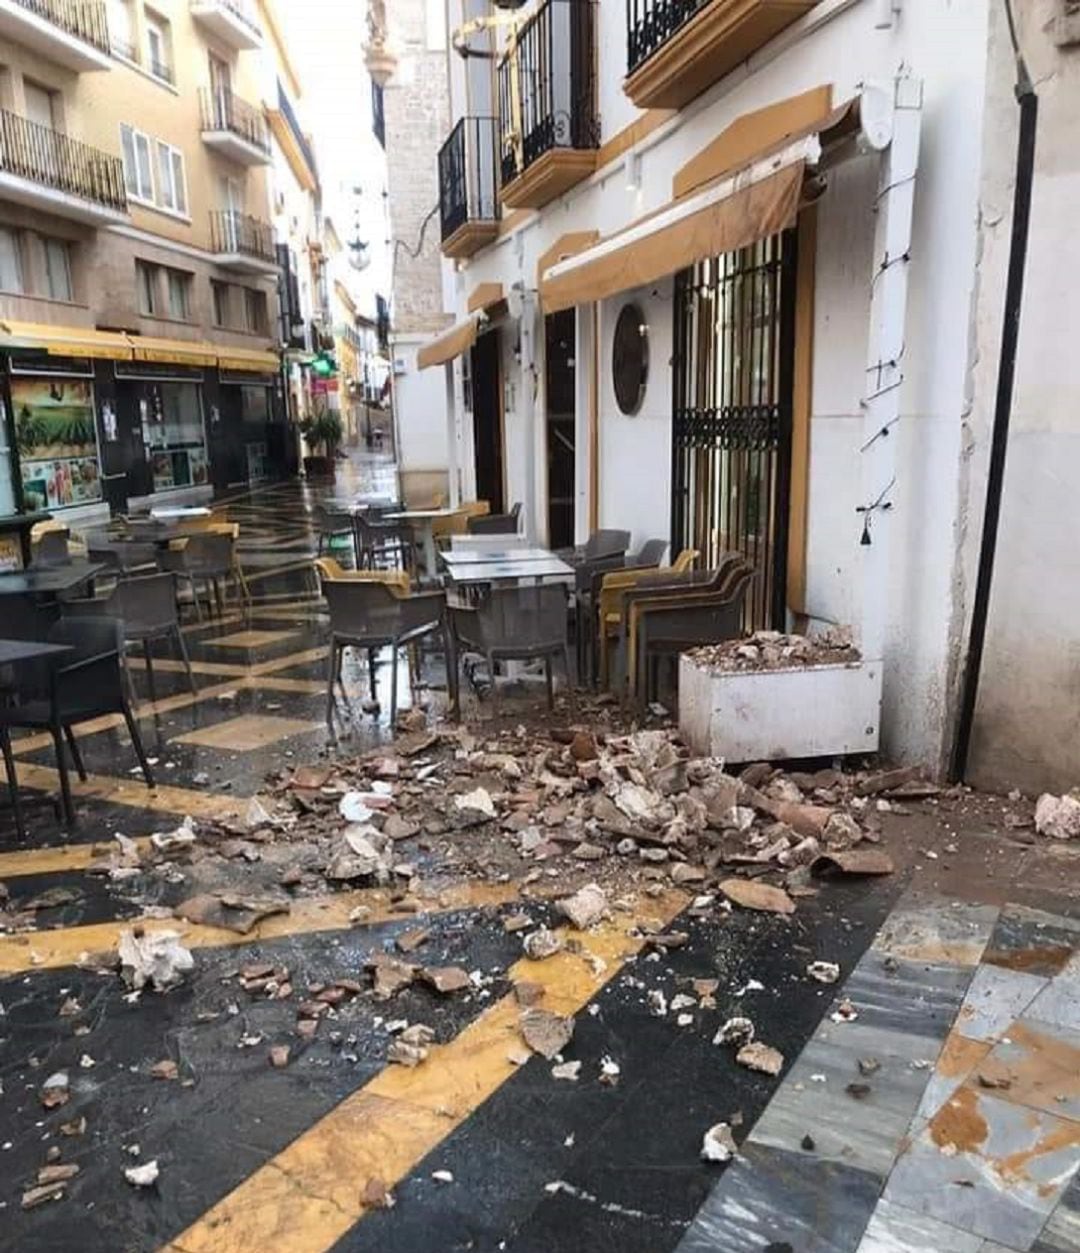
(173, 351)
(450, 344)
(65, 341)
(759, 198)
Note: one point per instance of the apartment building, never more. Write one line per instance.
(733, 274)
(138, 270)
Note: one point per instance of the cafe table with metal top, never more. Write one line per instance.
(422, 522)
(50, 581)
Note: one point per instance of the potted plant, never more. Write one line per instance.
(323, 431)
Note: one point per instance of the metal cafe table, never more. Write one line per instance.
(50, 581)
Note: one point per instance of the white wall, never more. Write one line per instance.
(420, 411)
(944, 42)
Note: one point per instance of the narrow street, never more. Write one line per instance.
(953, 1020)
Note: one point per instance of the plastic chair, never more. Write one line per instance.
(329, 568)
(651, 553)
(373, 614)
(515, 624)
(81, 685)
(209, 559)
(51, 549)
(494, 524)
(669, 625)
(147, 608)
(444, 529)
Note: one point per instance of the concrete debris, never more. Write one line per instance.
(566, 1070)
(773, 650)
(844, 1012)
(376, 1195)
(33, 1197)
(279, 1056)
(610, 1071)
(58, 1172)
(718, 1144)
(869, 1065)
(55, 1091)
(144, 1175)
(544, 1032)
(445, 979)
(856, 861)
(411, 1047)
(513, 923)
(256, 815)
(478, 802)
(353, 808)
(541, 944)
(183, 836)
(528, 994)
(442, 1176)
(585, 908)
(230, 911)
(823, 972)
(737, 1031)
(1058, 816)
(760, 1057)
(156, 959)
(390, 974)
(166, 1069)
(751, 894)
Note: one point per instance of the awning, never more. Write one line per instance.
(450, 344)
(173, 351)
(759, 199)
(65, 341)
(248, 359)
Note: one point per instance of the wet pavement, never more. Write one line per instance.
(939, 1111)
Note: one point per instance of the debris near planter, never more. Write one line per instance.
(759, 896)
(774, 650)
(544, 1032)
(156, 959)
(1058, 816)
(718, 1144)
(737, 1031)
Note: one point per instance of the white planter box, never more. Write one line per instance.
(775, 715)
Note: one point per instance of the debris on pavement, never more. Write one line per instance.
(585, 908)
(753, 895)
(55, 1091)
(544, 1032)
(182, 837)
(760, 1057)
(738, 1031)
(823, 972)
(774, 650)
(566, 1070)
(155, 958)
(718, 1144)
(376, 1195)
(541, 944)
(144, 1175)
(411, 1046)
(1058, 816)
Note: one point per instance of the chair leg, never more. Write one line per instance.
(331, 675)
(133, 696)
(372, 666)
(149, 671)
(12, 782)
(393, 685)
(549, 683)
(494, 686)
(186, 659)
(65, 781)
(76, 756)
(137, 744)
(195, 598)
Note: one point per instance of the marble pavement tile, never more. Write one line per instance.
(768, 1196)
(1033, 941)
(994, 999)
(956, 1061)
(917, 999)
(987, 1166)
(1059, 1002)
(991, 1246)
(897, 1229)
(930, 929)
(1062, 1233)
(1038, 1064)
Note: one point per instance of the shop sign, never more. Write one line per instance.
(56, 436)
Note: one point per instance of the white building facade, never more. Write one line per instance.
(850, 469)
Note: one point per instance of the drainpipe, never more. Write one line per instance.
(999, 437)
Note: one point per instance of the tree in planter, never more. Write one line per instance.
(323, 430)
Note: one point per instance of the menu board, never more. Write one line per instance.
(57, 441)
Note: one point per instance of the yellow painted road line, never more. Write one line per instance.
(133, 793)
(47, 950)
(308, 1196)
(56, 860)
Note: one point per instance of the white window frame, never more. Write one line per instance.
(19, 289)
(172, 178)
(142, 192)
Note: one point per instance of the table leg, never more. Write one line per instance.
(428, 541)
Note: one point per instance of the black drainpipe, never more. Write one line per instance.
(999, 440)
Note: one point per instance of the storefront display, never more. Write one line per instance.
(56, 435)
(174, 436)
(255, 414)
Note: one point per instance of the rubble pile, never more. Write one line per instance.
(773, 650)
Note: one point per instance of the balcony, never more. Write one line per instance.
(47, 170)
(549, 124)
(676, 49)
(468, 187)
(232, 21)
(234, 128)
(292, 141)
(72, 33)
(242, 243)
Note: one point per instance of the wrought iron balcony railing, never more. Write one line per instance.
(53, 159)
(235, 232)
(468, 181)
(651, 23)
(83, 18)
(547, 86)
(222, 110)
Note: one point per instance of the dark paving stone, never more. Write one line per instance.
(96, 900)
(1032, 943)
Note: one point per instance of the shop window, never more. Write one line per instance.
(56, 435)
(179, 286)
(255, 310)
(146, 279)
(220, 293)
(135, 151)
(173, 432)
(11, 270)
(172, 185)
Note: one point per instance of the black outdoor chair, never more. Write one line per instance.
(589, 579)
(374, 615)
(209, 559)
(51, 549)
(148, 609)
(57, 696)
(331, 524)
(494, 524)
(514, 624)
(383, 545)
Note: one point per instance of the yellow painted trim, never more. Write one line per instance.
(66, 341)
(66, 857)
(245, 359)
(305, 175)
(173, 351)
(285, 62)
(308, 1196)
(51, 950)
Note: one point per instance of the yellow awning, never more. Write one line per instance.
(248, 359)
(760, 197)
(173, 351)
(450, 344)
(66, 341)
